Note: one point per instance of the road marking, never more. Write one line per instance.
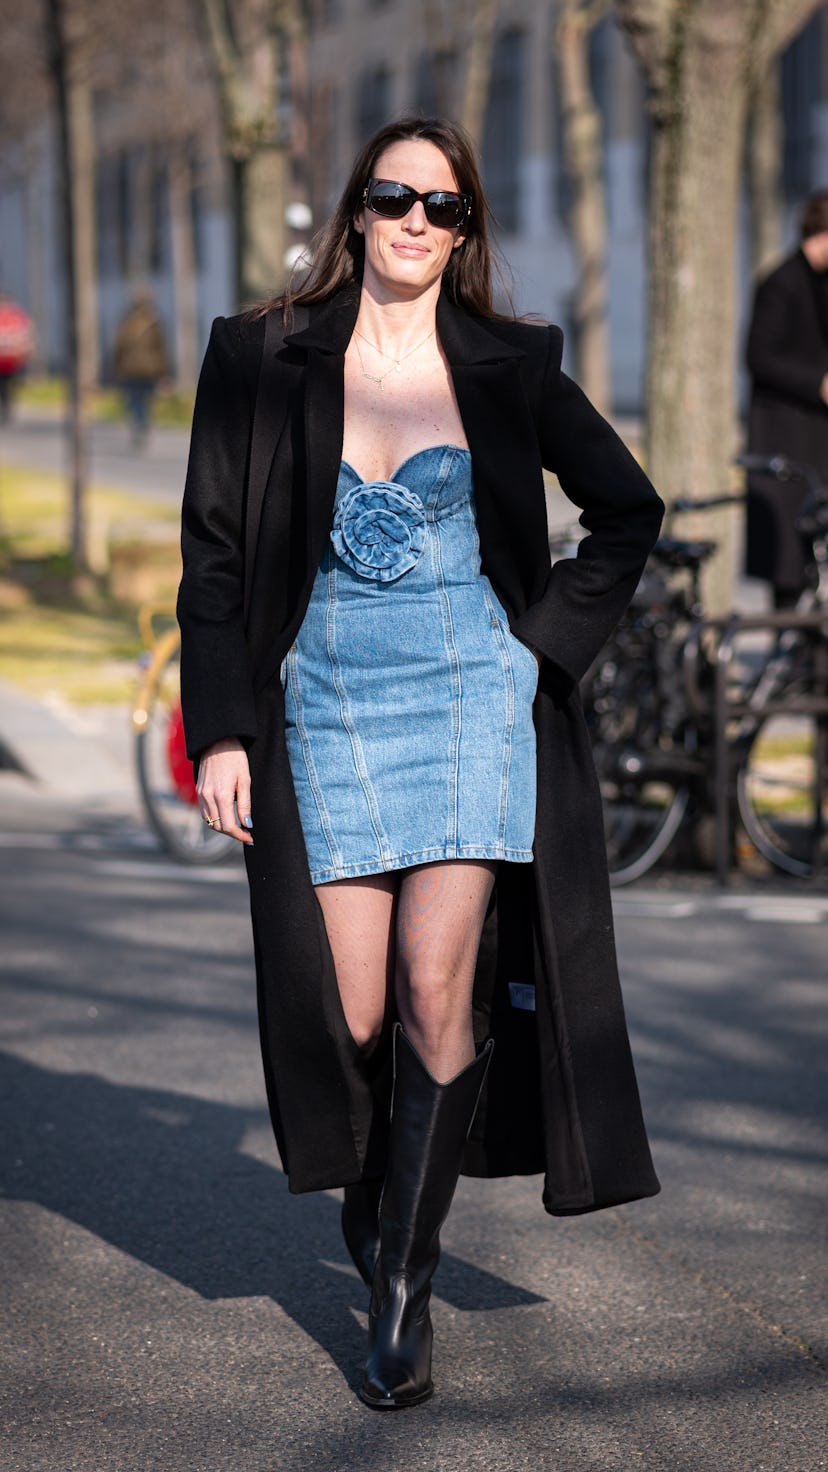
(84, 842)
(29, 840)
(795, 915)
(780, 909)
(135, 869)
(664, 910)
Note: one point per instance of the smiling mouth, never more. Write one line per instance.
(408, 249)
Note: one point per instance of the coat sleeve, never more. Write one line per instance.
(216, 683)
(774, 347)
(586, 595)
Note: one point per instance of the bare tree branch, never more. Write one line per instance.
(582, 149)
(781, 22)
(649, 26)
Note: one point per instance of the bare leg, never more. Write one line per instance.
(440, 914)
(359, 919)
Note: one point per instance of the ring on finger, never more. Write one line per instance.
(211, 822)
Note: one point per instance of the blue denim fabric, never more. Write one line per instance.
(408, 700)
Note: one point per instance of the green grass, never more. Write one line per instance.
(773, 747)
(171, 406)
(74, 635)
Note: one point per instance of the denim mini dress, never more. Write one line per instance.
(408, 700)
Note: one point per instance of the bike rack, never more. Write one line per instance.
(725, 710)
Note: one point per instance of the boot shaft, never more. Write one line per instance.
(430, 1123)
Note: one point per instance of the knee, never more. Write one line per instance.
(432, 997)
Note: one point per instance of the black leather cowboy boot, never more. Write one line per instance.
(429, 1125)
(360, 1225)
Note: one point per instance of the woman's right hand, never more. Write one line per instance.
(224, 779)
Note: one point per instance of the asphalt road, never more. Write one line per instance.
(167, 1305)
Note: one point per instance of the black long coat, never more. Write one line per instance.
(266, 445)
(787, 354)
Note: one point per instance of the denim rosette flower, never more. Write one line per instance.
(379, 530)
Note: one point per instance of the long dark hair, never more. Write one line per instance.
(338, 250)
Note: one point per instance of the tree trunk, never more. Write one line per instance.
(261, 194)
(701, 60)
(37, 269)
(691, 380)
(185, 287)
(478, 67)
(76, 425)
(246, 58)
(82, 142)
(765, 172)
(587, 211)
(298, 60)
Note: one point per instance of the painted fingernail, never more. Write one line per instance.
(248, 821)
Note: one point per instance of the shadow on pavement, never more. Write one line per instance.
(162, 1176)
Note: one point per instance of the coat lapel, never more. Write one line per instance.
(496, 417)
(508, 479)
(324, 341)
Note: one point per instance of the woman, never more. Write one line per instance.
(367, 609)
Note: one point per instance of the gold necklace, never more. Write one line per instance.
(396, 363)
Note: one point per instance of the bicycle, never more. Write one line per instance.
(164, 771)
(652, 717)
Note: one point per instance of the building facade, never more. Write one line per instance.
(368, 61)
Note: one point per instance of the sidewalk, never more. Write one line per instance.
(57, 752)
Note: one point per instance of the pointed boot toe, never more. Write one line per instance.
(381, 1397)
(398, 1371)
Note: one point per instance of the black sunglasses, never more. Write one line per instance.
(391, 200)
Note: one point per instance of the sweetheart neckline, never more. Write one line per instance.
(458, 449)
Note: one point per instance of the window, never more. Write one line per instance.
(503, 132)
(107, 175)
(436, 84)
(123, 212)
(800, 77)
(373, 103)
(158, 211)
(327, 12)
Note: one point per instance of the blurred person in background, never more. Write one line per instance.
(787, 355)
(380, 683)
(140, 361)
(17, 342)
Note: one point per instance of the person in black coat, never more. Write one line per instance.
(787, 355)
(513, 1055)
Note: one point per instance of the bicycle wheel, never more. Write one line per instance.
(775, 793)
(643, 767)
(165, 776)
(642, 814)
